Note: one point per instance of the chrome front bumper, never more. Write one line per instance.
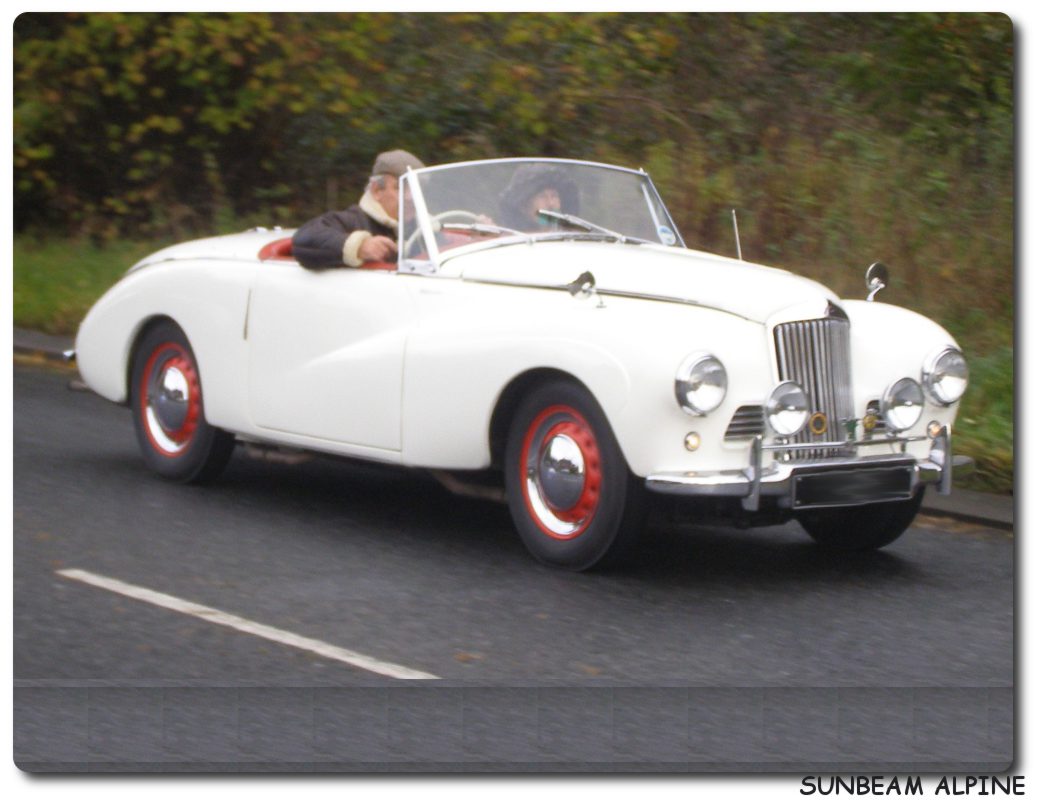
(780, 479)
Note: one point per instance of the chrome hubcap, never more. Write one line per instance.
(562, 472)
(171, 399)
(170, 403)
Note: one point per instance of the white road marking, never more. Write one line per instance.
(219, 617)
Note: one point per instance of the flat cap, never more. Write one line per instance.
(396, 163)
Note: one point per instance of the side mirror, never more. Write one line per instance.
(876, 278)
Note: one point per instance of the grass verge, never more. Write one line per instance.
(56, 282)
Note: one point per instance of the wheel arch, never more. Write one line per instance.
(510, 398)
(143, 329)
(459, 391)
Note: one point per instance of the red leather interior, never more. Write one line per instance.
(282, 250)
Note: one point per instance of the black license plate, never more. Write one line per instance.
(851, 487)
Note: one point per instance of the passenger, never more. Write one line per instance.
(367, 231)
(534, 187)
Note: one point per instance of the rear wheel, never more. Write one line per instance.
(861, 528)
(571, 494)
(166, 398)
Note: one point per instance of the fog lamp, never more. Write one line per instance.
(902, 404)
(788, 409)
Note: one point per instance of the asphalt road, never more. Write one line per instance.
(384, 563)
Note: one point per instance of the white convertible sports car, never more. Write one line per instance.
(546, 327)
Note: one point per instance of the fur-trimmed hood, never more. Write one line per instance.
(527, 181)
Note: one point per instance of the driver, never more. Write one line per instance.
(367, 231)
(534, 187)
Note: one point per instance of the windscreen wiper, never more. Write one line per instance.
(584, 224)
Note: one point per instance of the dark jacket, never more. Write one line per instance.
(319, 242)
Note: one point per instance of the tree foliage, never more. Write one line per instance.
(837, 137)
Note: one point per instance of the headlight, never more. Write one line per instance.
(701, 384)
(788, 408)
(902, 404)
(945, 376)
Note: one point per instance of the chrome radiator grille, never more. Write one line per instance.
(816, 354)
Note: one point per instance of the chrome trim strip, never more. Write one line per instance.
(661, 202)
(859, 443)
(412, 265)
(746, 422)
(610, 293)
(521, 159)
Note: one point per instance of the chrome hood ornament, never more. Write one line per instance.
(585, 286)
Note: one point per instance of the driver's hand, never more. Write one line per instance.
(378, 248)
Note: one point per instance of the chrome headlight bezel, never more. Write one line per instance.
(895, 403)
(786, 398)
(934, 372)
(700, 384)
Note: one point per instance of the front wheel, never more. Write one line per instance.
(861, 528)
(570, 492)
(166, 398)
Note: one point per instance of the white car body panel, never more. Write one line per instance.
(739, 287)
(208, 299)
(325, 354)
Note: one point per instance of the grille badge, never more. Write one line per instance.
(819, 423)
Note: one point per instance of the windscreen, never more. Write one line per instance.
(474, 202)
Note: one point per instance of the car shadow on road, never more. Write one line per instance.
(364, 495)
(780, 555)
(412, 500)
(339, 497)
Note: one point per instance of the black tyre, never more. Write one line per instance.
(571, 495)
(862, 528)
(166, 399)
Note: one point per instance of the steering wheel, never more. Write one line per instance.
(467, 216)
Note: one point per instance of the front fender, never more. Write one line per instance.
(888, 343)
(210, 307)
(453, 382)
(471, 342)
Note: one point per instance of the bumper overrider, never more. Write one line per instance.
(832, 482)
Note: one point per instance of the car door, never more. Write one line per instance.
(326, 350)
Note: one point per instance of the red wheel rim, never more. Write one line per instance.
(170, 399)
(561, 474)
